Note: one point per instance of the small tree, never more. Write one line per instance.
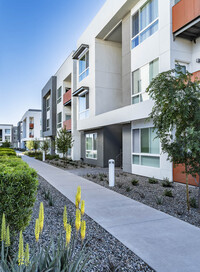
(176, 118)
(64, 141)
(29, 145)
(36, 145)
(45, 146)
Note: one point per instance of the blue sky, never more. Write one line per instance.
(36, 36)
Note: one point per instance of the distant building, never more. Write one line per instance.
(29, 128)
(6, 133)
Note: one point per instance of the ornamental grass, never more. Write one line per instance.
(65, 255)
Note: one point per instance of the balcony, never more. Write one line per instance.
(67, 124)
(67, 98)
(31, 126)
(186, 19)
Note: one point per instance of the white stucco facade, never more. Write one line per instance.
(112, 62)
(6, 133)
(30, 127)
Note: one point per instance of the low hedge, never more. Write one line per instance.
(7, 152)
(18, 188)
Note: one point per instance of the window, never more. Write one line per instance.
(84, 66)
(59, 120)
(7, 131)
(48, 103)
(91, 146)
(48, 124)
(146, 147)
(7, 138)
(180, 68)
(144, 22)
(141, 79)
(1, 134)
(59, 95)
(83, 106)
(67, 117)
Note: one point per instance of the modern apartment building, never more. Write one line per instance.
(57, 100)
(125, 46)
(29, 128)
(6, 133)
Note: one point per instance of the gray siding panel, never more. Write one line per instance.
(127, 148)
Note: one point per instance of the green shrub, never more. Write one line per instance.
(168, 193)
(159, 200)
(128, 189)
(193, 202)
(7, 152)
(135, 182)
(18, 187)
(5, 144)
(153, 181)
(167, 183)
(52, 157)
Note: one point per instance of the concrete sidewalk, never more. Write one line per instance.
(165, 243)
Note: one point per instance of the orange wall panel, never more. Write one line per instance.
(184, 12)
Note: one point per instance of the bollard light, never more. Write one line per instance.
(111, 164)
(43, 157)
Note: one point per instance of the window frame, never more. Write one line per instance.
(48, 106)
(86, 110)
(93, 151)
(141, 154)
(48, 126)
(138, 35)
(181, 63)
(7, 133)
(81, 75)
(139, 94)
(7, 136)
(59, 124)
(59, 98)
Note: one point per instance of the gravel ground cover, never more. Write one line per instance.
(154, 195)
(107, 253)
(68, 164)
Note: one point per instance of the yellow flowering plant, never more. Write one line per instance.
(21, 250)
(37, 230)
(65, 217)
(41, 216)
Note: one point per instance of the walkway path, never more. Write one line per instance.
(167, 244)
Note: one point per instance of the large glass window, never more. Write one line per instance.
(59, 120)
(91, 146)
(146, 147)
(7, 131)
(180, 68)
(141, 79)
(84, 106)
(144, 22)
(7, 138)
(59, 95)
(84, 66)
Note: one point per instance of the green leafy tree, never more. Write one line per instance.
(45, 146)
(29, 145)
(176, 118)
(64, 141)
(36, 145)
(5, 144)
